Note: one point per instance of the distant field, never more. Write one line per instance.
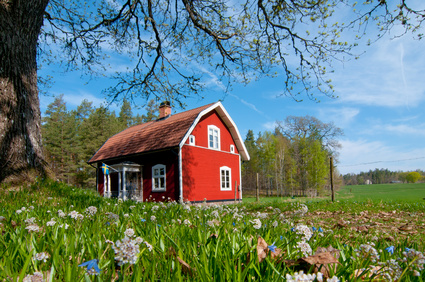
(409, 192)
(406, 192)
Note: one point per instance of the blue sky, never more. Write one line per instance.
(380, 107)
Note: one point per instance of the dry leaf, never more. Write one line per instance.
(322, 262)
(261, 249)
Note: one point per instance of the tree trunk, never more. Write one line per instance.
(21, 154)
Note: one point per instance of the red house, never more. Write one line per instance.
(190, 156)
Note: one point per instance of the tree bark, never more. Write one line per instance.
(21, 154)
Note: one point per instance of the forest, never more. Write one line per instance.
(293, 160)
(383, 176)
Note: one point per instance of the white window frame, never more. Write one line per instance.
(191, 140)
(214, 137)
(225, 184)
(232, 148)
(159, 176)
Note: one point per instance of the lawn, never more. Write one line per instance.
(62, 233)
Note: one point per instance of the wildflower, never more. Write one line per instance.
(132, 207)
(274, 224)
(210, 223)
(18, 211)
(153, 218)
(75, 215)
(142, 220)
(155, 208)
(33, 227)
(390, 249)
(91, 210)
(313, 228)
(303, 230)
(300, 276)
(256, 223)
(92, 267)
(2, 218)
(36, 277)
(42, 256)
(61, 213)
(320, 229)
(304, 248)
(215, 213)
(126, 251)
(129, 232)
(30, 220)
(186, 222)
(126, 215)
(281, 237)
(272, 247)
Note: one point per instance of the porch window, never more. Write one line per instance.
(225, 178)
(213, 137)
(158, 178)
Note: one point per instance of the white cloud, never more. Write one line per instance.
(361, 155)
(390, 74)
(342, 117)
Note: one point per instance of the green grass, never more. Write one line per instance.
(404, 192)
(203, 243)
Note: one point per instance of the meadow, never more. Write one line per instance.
(54, 232)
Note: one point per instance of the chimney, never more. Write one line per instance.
(164, 109)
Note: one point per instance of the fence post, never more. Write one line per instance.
(331, 177)
(258, 189)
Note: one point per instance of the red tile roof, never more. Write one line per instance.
(150, 136)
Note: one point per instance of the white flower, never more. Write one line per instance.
(91, 210)
(42, 256)
(210, 223)
(304, 248)
(153, 218)
(256, 223)
(186, 222)
(126, 251)
(215, 213)
(18, 211)
(33, 227)
(129, 232)
(274, 224)
(155, 208)
(51, 222)
(126, 215)
(61, 213)
(303, 230)
(30, 220)
(36, 277)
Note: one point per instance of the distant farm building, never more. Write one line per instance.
(192, 156)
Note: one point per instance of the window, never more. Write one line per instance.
(192, 140)
(225, 178)
(158, 178)
(232, 148)
(213, 137)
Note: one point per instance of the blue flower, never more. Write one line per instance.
(108, 223)
(407, 249)
(281, 237)
(272, 248)
(234, 224)
(293, 229)
(313, 228)
(91, 265)
(142, 220)
(390, 249)
(320, 229)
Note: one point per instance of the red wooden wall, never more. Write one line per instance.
(201, 165)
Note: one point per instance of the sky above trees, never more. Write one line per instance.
(381, 97)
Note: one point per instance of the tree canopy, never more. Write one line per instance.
(173, 47)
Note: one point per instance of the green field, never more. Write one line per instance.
(63, 233)
(406, 192)
(399, 192)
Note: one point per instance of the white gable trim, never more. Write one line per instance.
(221, 111)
